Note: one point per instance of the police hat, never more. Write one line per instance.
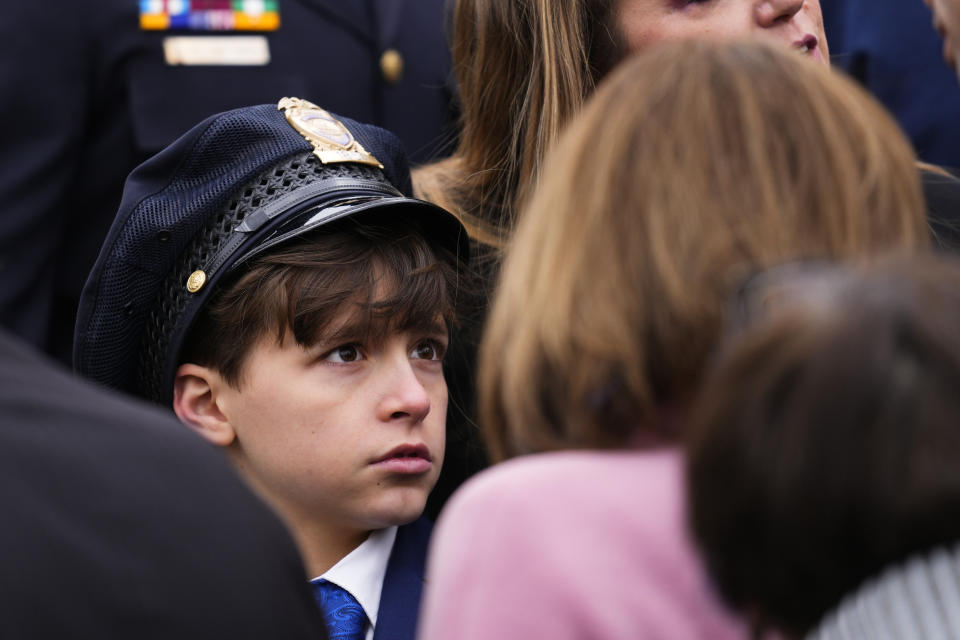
(235, 185)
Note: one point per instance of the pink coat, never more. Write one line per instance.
(571, 545)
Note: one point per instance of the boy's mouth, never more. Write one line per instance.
(406, 459)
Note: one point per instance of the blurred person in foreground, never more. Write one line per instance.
(694, 164)
(524, 69)
(119, 523)
(823, 452)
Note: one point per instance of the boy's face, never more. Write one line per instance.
(350, 431)
(794, 23)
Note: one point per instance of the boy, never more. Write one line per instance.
(267, 280)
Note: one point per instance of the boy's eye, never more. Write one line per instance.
(428, 350)
(345, 353)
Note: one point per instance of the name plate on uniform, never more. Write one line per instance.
(216, 50)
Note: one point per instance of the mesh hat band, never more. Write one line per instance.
(288, 206)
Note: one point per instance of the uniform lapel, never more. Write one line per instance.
(389, 13)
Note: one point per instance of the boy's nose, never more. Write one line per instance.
(405, 396)
(769, 13)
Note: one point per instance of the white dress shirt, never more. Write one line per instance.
(361, 572)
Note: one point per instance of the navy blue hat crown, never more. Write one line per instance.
(234, 185)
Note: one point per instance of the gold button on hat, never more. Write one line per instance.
(196, 281)
(391, 66)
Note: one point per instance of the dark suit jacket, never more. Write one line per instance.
(403, 583)
(86, 95)
(118, 522)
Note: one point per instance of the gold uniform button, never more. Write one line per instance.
(196, 281)
(391, 66)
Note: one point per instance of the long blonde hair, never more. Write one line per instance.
(523, 69)
(695, 164)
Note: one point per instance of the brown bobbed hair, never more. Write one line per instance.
(693, 165)
(824, 444)
(523, 69)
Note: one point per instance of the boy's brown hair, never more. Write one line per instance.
(386, 271)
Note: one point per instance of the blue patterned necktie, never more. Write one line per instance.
(344, 616)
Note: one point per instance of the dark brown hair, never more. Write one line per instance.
(825, 445)
(387, 271)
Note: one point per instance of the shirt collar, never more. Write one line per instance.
(361, 572)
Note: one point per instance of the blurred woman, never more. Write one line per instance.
(525, 67)
(695, 164)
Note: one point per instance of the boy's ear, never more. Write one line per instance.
(195, 401)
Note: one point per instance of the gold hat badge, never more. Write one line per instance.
(331, 141)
